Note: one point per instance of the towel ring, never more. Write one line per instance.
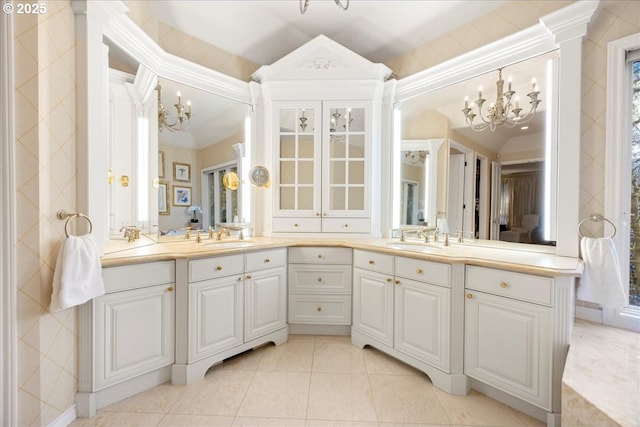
(596, 218)
(61, 214)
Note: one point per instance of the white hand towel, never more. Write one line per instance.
(601, 281)
(78, 274)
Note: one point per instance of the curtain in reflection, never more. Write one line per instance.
(519, 197)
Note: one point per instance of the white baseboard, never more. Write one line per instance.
(65, 418)
(590, 314)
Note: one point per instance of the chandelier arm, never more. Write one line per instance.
(340, 5)
(304, 5)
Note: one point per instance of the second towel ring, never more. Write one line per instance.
(61, 214)
(596, 218)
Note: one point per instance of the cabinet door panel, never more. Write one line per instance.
(134, 333)
(422, 326)
(265, 303)
(373, 305)
(215, 320)
(508, 345)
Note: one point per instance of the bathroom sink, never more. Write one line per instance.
(414, 246)
(230, 244)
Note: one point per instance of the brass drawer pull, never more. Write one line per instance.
(219, 268)
(296, 225)
(319, 279)
(503, 285)
(419, 271)
(469, 296)
(248, 277)
(388, 279)
(239, 279)
(397, 282)
(319, 309)
(170, 288)
(319, 256)
(346, 226)
(267, 260)
(371, 262)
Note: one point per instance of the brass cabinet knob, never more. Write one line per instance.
(419, 271)
(397, 282)
(469, 296)
(388, 279)
(319, 256)
(248, 277)
(503, 284)
(317, 213)
(324, 214)
(346, 226)
(219, 268)
(267, 260)
(296, 225)
(319, 279)
(239, 279)
(170, 288)
(371, 262)
(319, 308)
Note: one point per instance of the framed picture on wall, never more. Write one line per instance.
(163, 198)
(160, 164)
(181, 172)
(181, 196)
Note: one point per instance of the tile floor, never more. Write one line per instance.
(312, 381)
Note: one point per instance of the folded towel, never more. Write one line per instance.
(601, 281)
(78, 274)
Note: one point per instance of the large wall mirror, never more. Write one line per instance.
(492, 184)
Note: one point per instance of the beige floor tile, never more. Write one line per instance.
(179, 420)
(477, 409)
(301, 338)
(334, 423)
(119, 419)
(377, 362)
(338, 356)
(406, 399)
(219, 393)
(414, 425)
(294, 356)
(159, 399)
(247, 361)
(276, 395)
(344, 397)
(344, 339)
(267, 422)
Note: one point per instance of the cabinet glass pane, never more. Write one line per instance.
(287, 146)
(287, 120)
(287, 172)
(356, 123)
(356, 198)
(305, 198)
(305, 121)
(305, 147)
(337, 171)
(287, 198)
(356, 172)
(356, 146)
(336, 198)
(305, 172)
(337, 120)
(337, 148)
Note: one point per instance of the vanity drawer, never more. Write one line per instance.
(210, 268)
(423, 271)
(509, 284)
(297, 225)
(373, 261)
(320, 255)
(320, 310)
(310, 279)
(346, 225)
(138, 276)
(262, 260)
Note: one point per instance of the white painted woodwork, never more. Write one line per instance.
(211, 268)
(421, 321)
(265, 301)
(508, 346)
(263, 260)
(215, 316)
(424, 271)
(373, 304)
(373, 261)
(319, 286)
(138, 275)
(509, 284)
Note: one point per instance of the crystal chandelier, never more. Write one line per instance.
(502, 111)
(304, 5)
(415, 157)
(183, 119)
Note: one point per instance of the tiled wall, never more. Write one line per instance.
(46, 180)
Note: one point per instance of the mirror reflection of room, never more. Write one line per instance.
(491, 182)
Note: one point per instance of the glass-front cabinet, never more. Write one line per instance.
(322, 167)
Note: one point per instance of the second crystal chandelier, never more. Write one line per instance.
(503, 111)
(304, 5)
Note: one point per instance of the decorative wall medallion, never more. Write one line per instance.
(320, 64)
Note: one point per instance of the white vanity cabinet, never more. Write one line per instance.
(126, 336)
(517, 332)
(233, 303)
(402, 306)
(319, 289)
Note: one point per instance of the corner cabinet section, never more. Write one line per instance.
(127, 335)
(234, 303)
(322, 167)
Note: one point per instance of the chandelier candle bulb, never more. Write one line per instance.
(533, 84)
(189, 107)
(466, 102)
(479, 92)
(509, 85)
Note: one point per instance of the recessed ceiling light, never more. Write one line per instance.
(524, 128)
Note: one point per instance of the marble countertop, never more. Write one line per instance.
(603, 368)
(482, 253)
